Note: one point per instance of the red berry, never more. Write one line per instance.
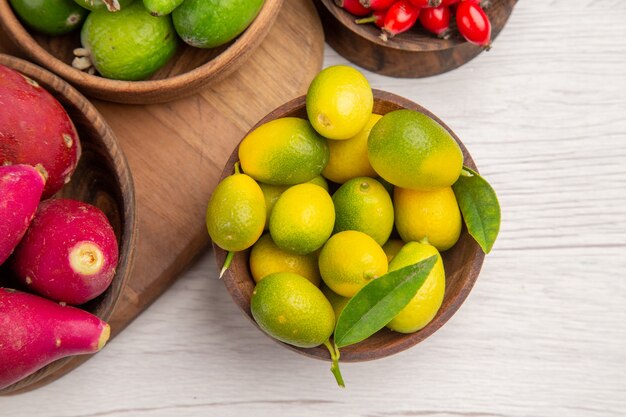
(426, 3)
(353, 6)
(377, 4)
(436, 20)
(378, 18)
(449, 2)
(400, 17)
(473, 23)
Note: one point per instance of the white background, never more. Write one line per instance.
(542, 333)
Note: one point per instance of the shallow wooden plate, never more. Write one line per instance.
(462, 262)
(102, 178)
(414, 54)
(187, 72)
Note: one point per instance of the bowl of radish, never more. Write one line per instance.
(412, 38)
(67, 235)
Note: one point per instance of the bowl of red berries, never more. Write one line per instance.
(412, 38)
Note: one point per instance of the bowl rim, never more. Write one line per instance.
(404, 341)
(370, 34)
(228, 60)
(58, 87)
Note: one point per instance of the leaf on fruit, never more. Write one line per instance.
(479, 206)
(379, 302)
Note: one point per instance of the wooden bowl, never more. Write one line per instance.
(102, 178)
(413, 54)
(462, 263)
(188, 71)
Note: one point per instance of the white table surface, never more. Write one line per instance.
(543, 333)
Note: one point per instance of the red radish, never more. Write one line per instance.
(69, 252)
(399, 18)
(436, 20)
(473, 23)
(36, 130)
(354, 7)
(20, 191)
(35, 331)
(378, 18)
(377, 4)
(425, 3)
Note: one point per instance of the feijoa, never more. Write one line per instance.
(211, 23)
(50, 17)
(130, 44)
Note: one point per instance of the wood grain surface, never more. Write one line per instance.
(462, 262)
(541, 334)
(176, 153)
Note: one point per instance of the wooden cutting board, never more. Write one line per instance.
(176, 152)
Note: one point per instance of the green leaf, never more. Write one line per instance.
(479, 206)
(379, 302)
